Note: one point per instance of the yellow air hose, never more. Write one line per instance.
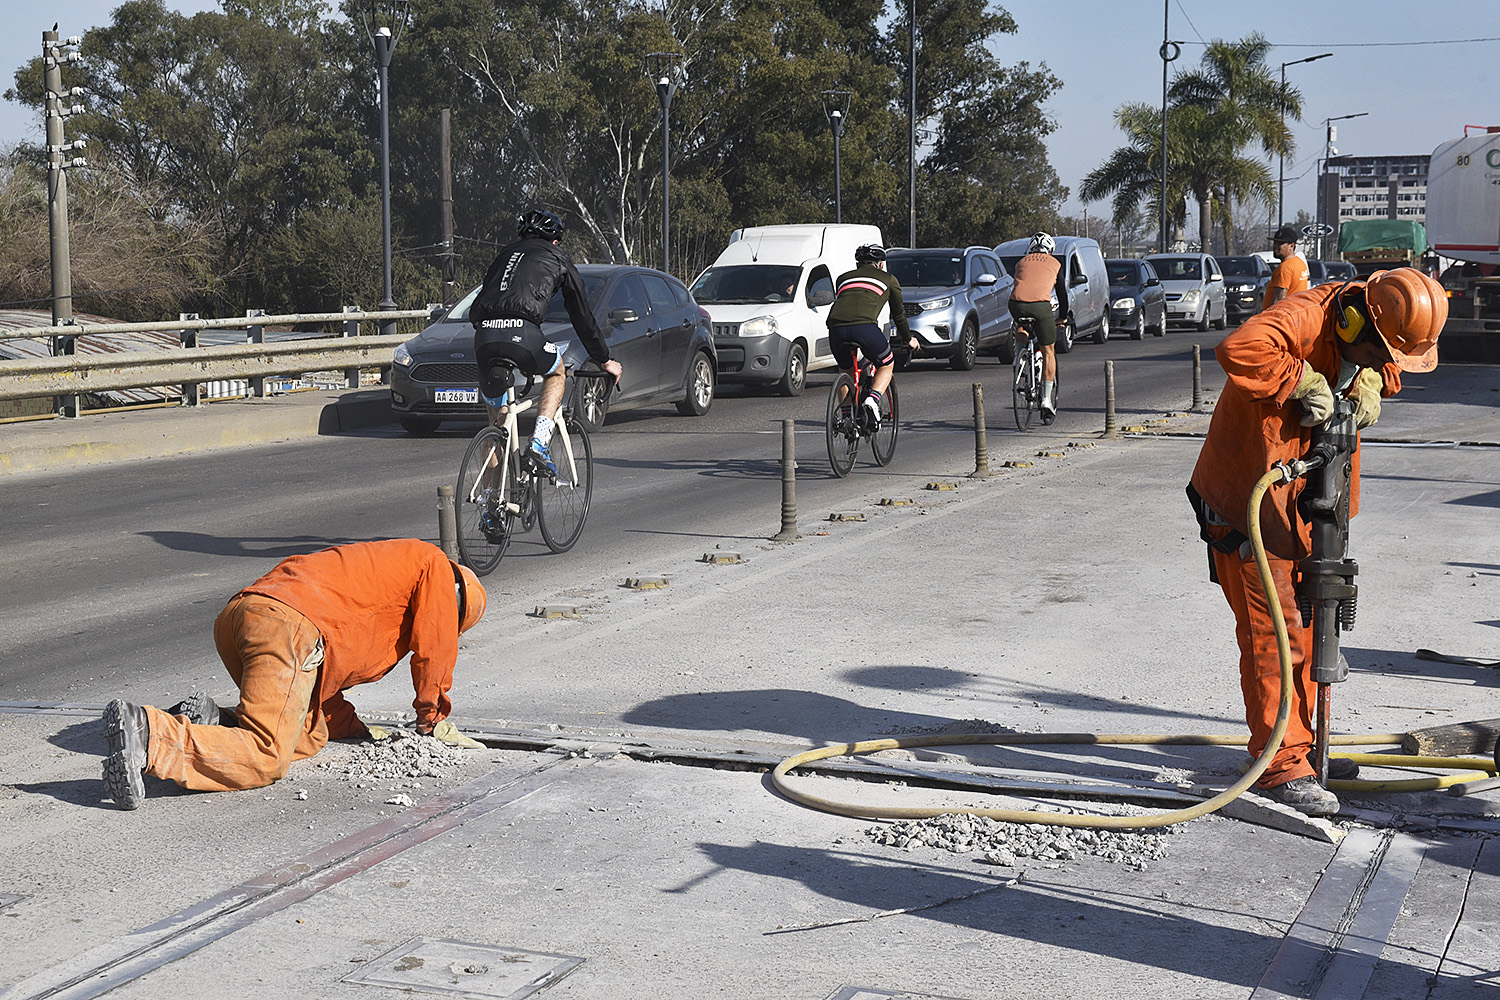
(1284, 652)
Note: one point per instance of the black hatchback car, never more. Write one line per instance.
(1245, 281)
(661, 337)
(1137, 301)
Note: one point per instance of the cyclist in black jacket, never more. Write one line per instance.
(507, 317)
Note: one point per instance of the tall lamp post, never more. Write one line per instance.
(1169, 52)
(1329, 135)
(1281, 157)
(667, 74)
(382, 37)
(836, 108)
(911, 147)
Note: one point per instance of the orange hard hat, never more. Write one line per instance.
(474, 600)
(1409, 310)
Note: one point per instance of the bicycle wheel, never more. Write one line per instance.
(883, 441)
(1023, 389)
(562, 504)
(484, 520)
(841, 428)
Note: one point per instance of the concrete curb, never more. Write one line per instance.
(145, 434)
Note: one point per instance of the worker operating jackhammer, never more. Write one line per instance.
(1285, 368)
(294, 641)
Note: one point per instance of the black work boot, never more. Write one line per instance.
(201, 710)
(127, 734)
(1304, 795)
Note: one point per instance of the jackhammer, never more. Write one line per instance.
(1326, 592)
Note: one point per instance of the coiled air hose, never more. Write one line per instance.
(1256, 769)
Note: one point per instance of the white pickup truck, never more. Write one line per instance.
(768, 295)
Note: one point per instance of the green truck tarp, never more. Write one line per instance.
(1382, 234)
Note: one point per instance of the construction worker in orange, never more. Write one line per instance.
(1291, 274)
(1284, 367)
(294, 641)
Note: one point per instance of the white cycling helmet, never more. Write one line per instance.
(1041, 243)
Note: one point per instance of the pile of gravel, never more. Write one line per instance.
(404, 755)
(1008, 844)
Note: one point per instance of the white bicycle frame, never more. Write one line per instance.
(513, 447)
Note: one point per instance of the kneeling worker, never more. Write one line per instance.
(294, 641)
(1283, 368)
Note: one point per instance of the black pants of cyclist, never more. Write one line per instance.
(867, 337)
(518, 341)
(1046, 326)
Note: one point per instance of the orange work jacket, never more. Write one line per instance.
(1257, 424)
(375, 602)
(1291, 274)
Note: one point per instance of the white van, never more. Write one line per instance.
(768, 295)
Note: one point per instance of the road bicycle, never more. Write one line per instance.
(848, 423)
(1026, 392)
(503, 489)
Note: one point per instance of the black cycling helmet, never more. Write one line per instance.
(869, 253)
(539, 223)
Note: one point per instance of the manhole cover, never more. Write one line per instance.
(455, 968)
(873, 993)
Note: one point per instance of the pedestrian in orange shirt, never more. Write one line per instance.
(294, 641)
(1291, 274)
(1284, 367)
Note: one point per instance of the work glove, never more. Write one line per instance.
(374, 732)
(1366, 395)
(448, 733)
(1314, 395)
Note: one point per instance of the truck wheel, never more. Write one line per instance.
(795, 380)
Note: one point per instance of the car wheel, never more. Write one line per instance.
(1222, 323)
(700, 388)
(1160, 329)
(1204, 324)
(420, 426)
(591, 402)
(967, 348)
(1065, 334)
(1139, 330)
(795, 380)
(1101, 335)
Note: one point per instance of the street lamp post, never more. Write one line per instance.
(1281, 157)
(911, 123)
(836, 108)
(1169, 52)
(667, 74)
(1329, 134)
(396, 12)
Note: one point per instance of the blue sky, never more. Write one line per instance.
(1105, 52)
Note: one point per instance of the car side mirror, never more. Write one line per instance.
(986, 279)
(624, 314)
(436, 311)
(1079, 279)
(1152, 281)
(822, 297)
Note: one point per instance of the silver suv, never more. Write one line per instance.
(957, 301)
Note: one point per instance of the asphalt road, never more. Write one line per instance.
(112, 576)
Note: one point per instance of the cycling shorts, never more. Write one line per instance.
(867, 337)
(520, 341)
(1046, 326)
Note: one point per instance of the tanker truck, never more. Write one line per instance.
(1463, 223)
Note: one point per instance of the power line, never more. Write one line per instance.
(1190, 23)
(1356, 45)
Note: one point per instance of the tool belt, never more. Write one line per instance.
(1231, 541)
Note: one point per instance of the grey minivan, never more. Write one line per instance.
(1083, 287)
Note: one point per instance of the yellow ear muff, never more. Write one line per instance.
(1353, 324)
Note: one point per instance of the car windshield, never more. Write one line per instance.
(937, 269)
(556, 311)
(745, 283)
(1239, 267)
(1178, 268)
(1123, 273)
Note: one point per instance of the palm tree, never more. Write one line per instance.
(1131, 177)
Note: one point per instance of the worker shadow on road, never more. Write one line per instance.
(1141, 932)
(263, 547)
(86, 738)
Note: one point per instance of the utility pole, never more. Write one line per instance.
(450, 255)
(54, 53)
(911, 184)
(1169, 51)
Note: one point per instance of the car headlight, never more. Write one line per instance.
(402, 356)
(942, 303)
(1125, 305)
(1191, 298)
(758, 327)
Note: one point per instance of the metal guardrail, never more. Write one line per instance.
(74, 374)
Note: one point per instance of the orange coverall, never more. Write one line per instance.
(1256, 424)
(296, 639)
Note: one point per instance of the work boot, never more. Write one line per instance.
(201, 710)
(1342, 769)
(127, 735)
(1304, 795)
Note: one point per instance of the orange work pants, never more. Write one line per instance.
(274, 655)
(1260, 663)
